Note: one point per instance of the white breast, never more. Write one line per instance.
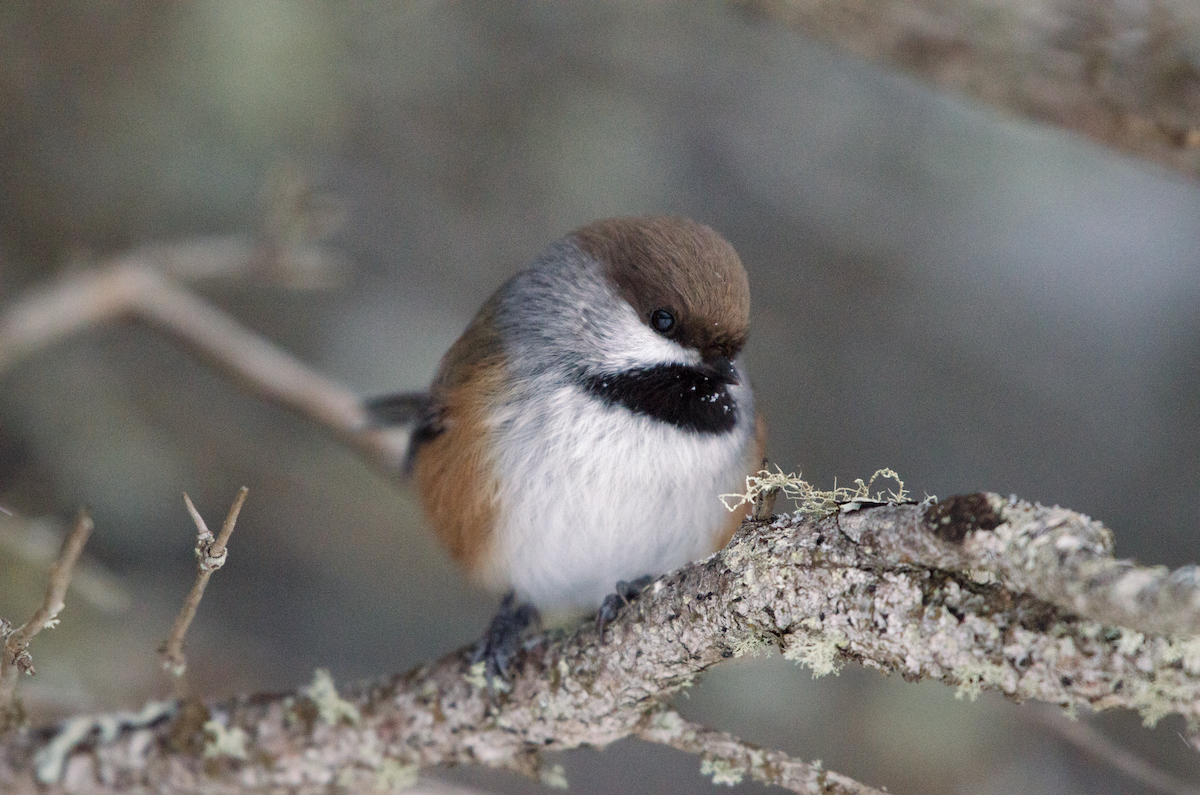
(594, 494)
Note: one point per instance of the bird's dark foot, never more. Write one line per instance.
(612, 604)
(502, 640)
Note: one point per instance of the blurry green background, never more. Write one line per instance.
(974, 301)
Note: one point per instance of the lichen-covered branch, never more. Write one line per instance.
(729, 760)
(1057, 555)
(1124, 74)
(917, 590)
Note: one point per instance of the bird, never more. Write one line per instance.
(580, 431)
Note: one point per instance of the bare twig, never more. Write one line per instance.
(1091, 741)
(729, 759)
(907, 589)
(36, 542)
(210, 554)
(16, 658)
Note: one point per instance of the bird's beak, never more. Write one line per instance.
(723, 369)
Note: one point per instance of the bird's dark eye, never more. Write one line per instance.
(662, 321)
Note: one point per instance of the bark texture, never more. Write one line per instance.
(978, 592)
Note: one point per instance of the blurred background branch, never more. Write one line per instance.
(1126, 75)
(133, 287)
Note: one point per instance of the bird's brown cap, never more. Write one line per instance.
(661, 262)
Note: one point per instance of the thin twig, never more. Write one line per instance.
(211, 554)
(1086, 738)
(728, 758)
(16, 658)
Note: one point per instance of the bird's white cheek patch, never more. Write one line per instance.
(632, 345)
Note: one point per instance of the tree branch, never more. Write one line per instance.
(918, 590)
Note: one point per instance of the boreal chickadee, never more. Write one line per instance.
(580, 430)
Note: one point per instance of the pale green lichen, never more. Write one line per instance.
(1156, 700)
(982, 576)
(1185, 650)
(224, 742)
(810, 500)
(394, 776)
(332, 708)
(816, 649)
(750, 644)
(554, 776)
(51, 758)
(1129, 642)
(668, 720)
(671, 723)
(476, 676)
(390, 778)
(722, 772)
(974, 676)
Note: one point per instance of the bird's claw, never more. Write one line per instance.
(625, 593)
(502, 640)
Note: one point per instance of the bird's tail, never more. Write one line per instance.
(402, 409)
